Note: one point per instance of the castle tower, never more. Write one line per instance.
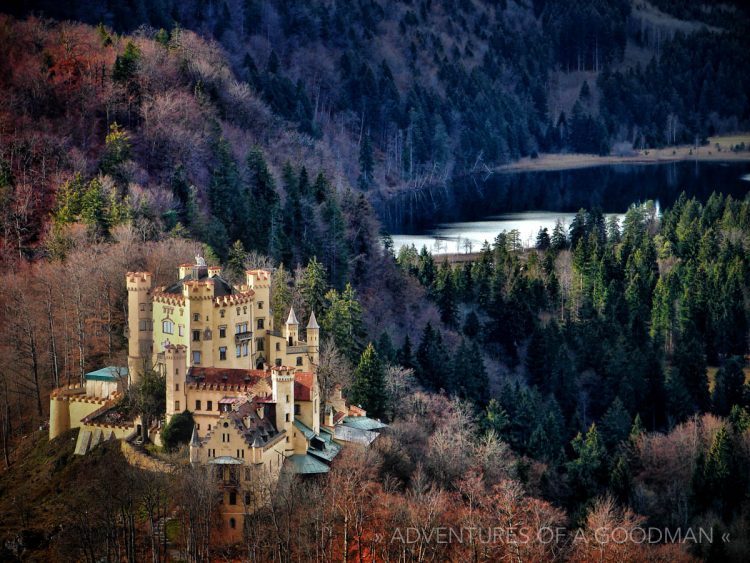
(140, 323)
(175, 365)
(292, 328)
(282, 387)
(313, 338)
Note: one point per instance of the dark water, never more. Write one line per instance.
(476, 209)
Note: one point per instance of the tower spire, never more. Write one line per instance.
(292, 320)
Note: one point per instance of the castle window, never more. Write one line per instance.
(248, 497)
(143, 325)
(259, 344)
(278, 362)
(244, 310)
(176, 386)
(181, 330)
(245, 349)
(260, 324)
(221, 313)
(260, 305)
(232, 521)
(177, 406)
(196, 336)
(197, 404)
(248, 477)
(238, 310)
(167, 327)
(296, 410)
(278, 346)
(196, 358)
(286, 417)
(197, 426)
(196, 317)
(223, 353)
(143, 306)
(299, 360)
(287, 398)
(209, 407)
(238, 350)
(240, 328)
(223, 331)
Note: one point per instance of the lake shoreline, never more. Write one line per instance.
(555, 162)
(550, 162)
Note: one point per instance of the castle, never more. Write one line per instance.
(253, 392)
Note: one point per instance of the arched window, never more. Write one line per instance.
(167, 327)
(232, 523)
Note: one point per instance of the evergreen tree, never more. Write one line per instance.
(471, 326)
(314, 287)
(368, 387)
(343, 321)
(405, 357)
(385, 349)
(585, 470)
(469, 378)
(542, 239)
(281, 296)
(729, 386)
(495, 418)
(559, 240)
(432, 363)
(615, 424)
(236, 260)
(445, 295)
(263, 202)
(366, 164)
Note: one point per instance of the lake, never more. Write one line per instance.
(475, 209)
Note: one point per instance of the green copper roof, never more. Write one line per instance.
(330, 451)
(306, 430)
(110, 373)
(304, 464)
(363, 423)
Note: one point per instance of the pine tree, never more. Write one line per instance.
(405, 357)
(343, 321)
(335, 250)
(385, 349)
(263, 202)
(94, 209)
(471, 326)
(116, 153)
(729, 386)
(585, 470)
(366, 164)
(542, 239)
(236, 260)
(559, 240)
(433, 368)
(495, 418)
(615, 424)
(314, 287)
(445, 295)
(281, 296)
(368, 387)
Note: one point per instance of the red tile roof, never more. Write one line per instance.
(303, 383)
(222, 376)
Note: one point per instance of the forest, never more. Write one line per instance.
(595, 381)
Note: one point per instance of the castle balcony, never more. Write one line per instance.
(243, 336)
